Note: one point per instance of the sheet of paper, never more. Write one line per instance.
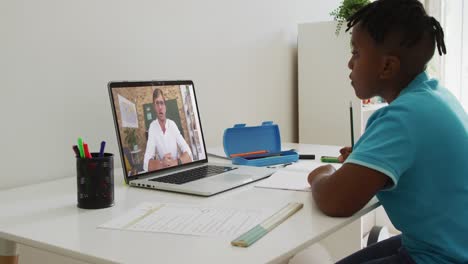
(292, 177)
(287, 180)
(188, 219)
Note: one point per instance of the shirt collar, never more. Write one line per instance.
(159, 124)
(416, 82)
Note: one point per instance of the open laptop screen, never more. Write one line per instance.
(158, 125)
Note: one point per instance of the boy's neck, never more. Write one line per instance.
(394, 87)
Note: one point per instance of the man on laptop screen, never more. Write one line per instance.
(166, 129)
(166, 147)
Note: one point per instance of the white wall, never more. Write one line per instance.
(56, 57)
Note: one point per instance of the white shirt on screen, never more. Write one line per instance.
(160, 143)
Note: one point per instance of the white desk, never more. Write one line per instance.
(45, 216)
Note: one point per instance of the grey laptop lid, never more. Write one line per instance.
(146, 145)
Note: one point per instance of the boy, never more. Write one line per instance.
(414, 153)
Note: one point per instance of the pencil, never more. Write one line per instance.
(351, 123)
(248, 153)
(258, 231)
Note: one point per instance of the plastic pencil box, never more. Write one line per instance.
(256, 145)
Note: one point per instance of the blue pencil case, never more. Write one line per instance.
(256, 145)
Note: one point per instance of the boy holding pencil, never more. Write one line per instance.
(413, 155)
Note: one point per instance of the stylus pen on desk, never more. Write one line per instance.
(306, 156)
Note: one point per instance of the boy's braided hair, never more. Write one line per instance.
(407, 17)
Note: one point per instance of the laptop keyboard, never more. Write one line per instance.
(193, 174)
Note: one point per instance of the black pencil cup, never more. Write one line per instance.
(95, 181)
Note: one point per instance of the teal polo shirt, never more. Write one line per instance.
(420, 141)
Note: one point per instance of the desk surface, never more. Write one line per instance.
(45, 216)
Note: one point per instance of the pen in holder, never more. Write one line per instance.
(95, 181)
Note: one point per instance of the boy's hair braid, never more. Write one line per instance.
(407, 17)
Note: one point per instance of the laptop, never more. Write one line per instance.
(161, 141)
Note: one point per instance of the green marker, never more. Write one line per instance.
(329, 159)
(80, 147)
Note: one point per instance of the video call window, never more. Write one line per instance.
(158, 126)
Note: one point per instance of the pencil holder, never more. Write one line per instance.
(95, 181)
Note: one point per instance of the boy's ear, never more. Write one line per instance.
(391, 67)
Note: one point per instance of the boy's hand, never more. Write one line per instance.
(344, 154)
